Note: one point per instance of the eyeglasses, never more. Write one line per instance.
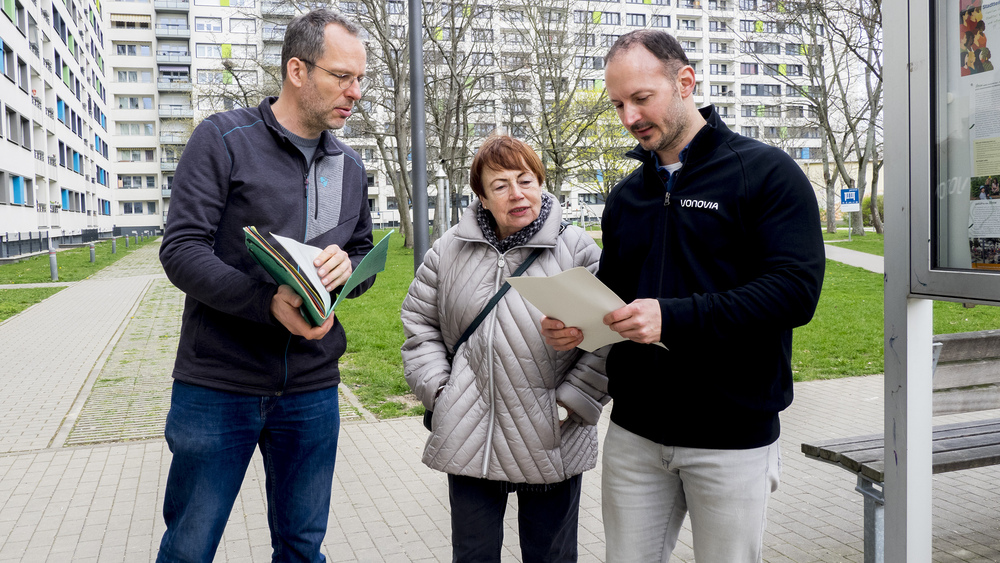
(345, 80)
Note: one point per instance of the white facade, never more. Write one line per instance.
(55, 172)
(79, 157)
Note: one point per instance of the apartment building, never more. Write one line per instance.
(172, 62)
(55, 164)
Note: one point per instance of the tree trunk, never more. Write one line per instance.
(876, 216)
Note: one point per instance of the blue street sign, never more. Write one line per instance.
(849, 201)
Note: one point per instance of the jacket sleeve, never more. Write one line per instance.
(361, 239)
(425, 355)
(585, 387)
(782, 220)
(200, 194)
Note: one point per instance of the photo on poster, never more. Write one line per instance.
(985, 187)
(977, 22)
(984, 222)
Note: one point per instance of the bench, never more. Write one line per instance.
(966, 379)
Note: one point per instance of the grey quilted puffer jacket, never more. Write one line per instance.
(496, 417)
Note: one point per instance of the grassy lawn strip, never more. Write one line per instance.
(870, 243)
(74, 263)
(13, 301)
(372, 366)
(845, 336)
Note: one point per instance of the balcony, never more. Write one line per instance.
(690, 32)
(277, 9)
(721, 33)
(168, 164)
(271, 60)
(723, 76)
(272, 34)
(723, 55)
(181, 57)
(173, 85)
(173, 31)
(169, 138)
(724, 97)
(172, 6)
(169, 110)
(165, 192)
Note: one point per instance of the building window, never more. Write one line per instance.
(635, 20)
(752, 132)
(661, 21)
(242, 25)
(208, 24)
(591, 199)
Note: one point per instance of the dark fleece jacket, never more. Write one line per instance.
(240, 169)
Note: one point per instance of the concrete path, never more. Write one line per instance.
(864, 260)
(85, 377)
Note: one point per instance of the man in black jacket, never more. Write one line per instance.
(714, 242)
(250, 371)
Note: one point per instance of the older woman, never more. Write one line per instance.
(510, 413)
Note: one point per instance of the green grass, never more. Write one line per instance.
(73, 263)
(372, 366)
(13, 301)
(845, 337)
(871, 243)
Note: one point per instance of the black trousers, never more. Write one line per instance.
(547, 520)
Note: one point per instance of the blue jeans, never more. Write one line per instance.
(647, 489)
(212, 435)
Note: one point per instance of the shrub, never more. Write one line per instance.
(866, 210)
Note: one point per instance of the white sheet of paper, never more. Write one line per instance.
(303, 255)
(577, 298)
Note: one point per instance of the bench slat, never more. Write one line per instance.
(962, 445)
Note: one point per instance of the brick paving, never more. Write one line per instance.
(91, 366)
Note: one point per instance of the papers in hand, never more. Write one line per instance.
(301, 275)
(577, 298)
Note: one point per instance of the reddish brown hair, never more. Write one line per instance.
(503, 152)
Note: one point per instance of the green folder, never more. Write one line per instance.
(316, 305)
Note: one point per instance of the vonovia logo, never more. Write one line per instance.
(700, 204)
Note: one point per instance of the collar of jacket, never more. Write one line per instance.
(468, 227)
(328, 144)
(713, 134)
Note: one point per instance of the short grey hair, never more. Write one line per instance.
(660, 43)
(305, 39)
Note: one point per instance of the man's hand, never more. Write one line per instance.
(559, 336)
(285, 308)
(639, 321)
(334, 267)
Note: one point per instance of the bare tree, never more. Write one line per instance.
(842, 81)
(552, 63)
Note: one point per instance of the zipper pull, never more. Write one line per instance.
(501, 261)
(666, 199)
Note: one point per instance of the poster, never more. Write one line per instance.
(977, 22)
(984, 222)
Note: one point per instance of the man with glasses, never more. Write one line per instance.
(250, 371)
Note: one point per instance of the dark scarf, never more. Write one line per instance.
(489, 226)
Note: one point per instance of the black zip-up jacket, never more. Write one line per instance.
(240, 169)
(736, 261)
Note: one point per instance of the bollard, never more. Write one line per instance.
(126, 241)
(93, 255)
(114, 245)
(53, 267)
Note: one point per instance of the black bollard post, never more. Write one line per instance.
(126, 241)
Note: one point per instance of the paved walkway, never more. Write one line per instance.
(84, 386)
(864, 260)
